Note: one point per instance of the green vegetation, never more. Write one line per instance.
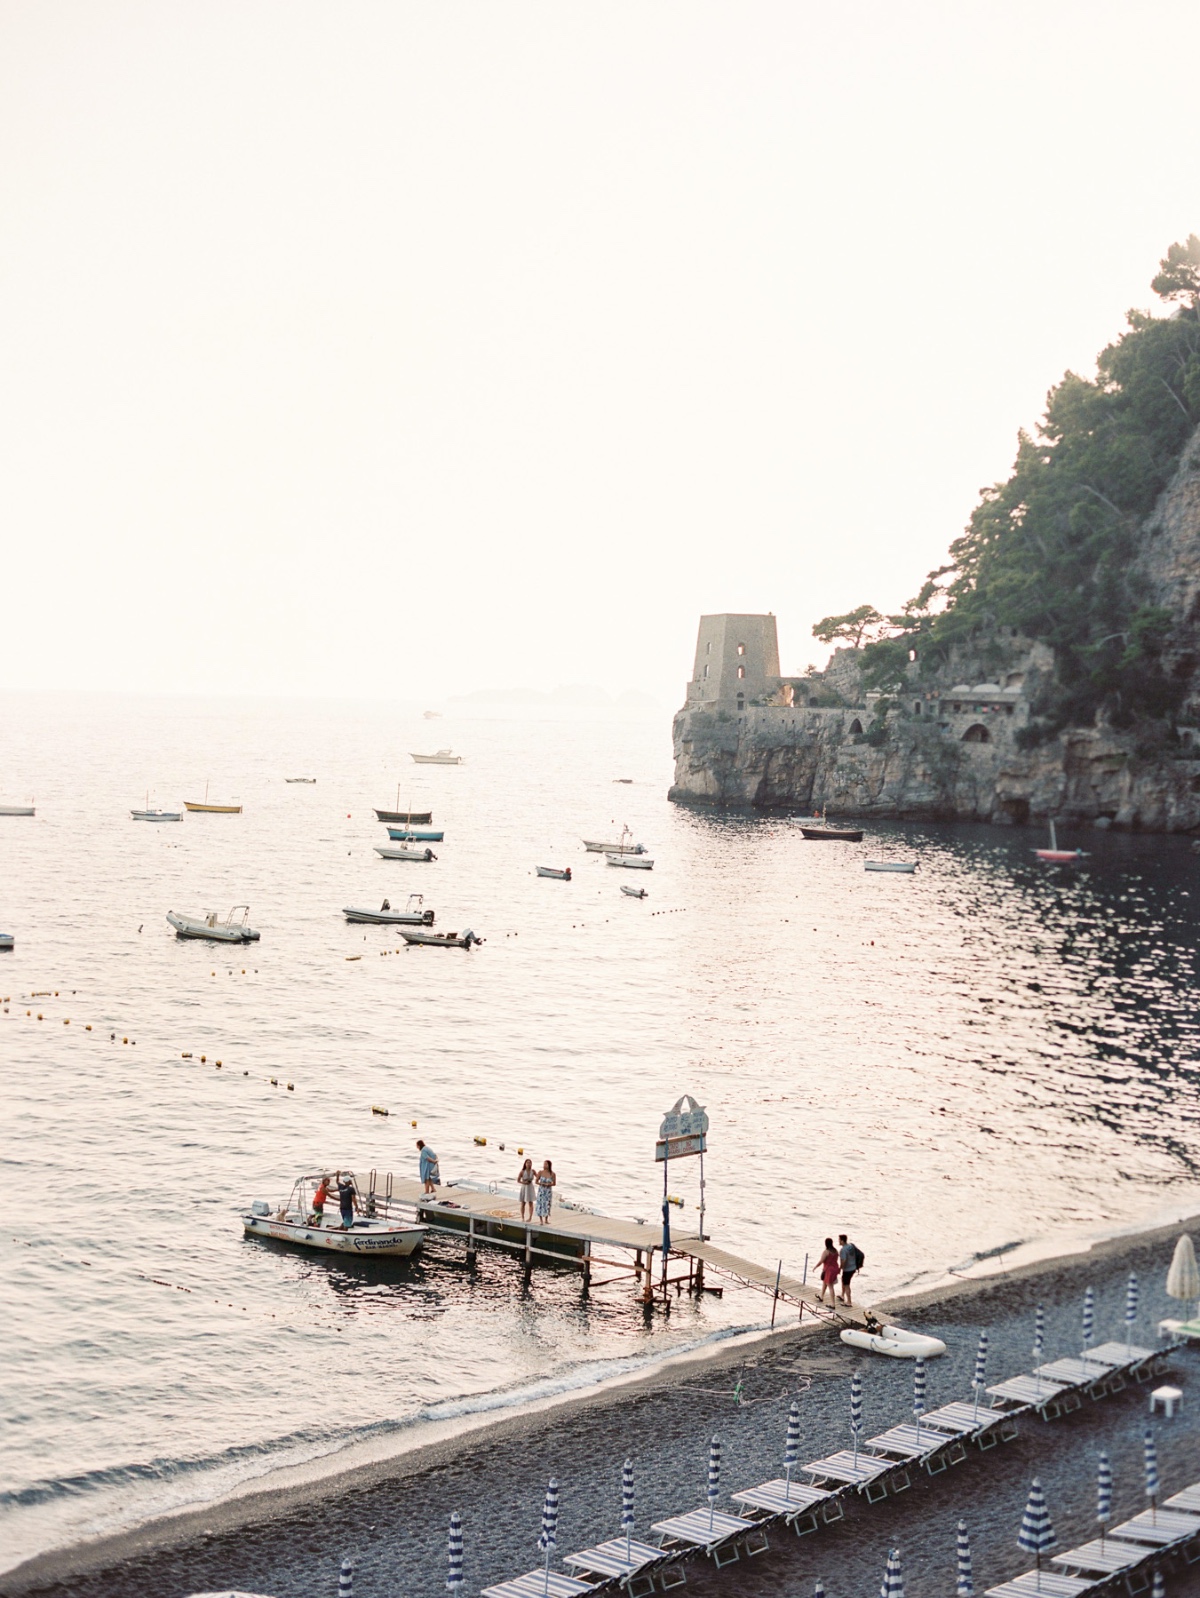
(1052, 552)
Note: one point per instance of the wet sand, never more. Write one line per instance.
(390, 1514)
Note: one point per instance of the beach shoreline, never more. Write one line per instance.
(435, 1446)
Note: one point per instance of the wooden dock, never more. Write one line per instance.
(588, 1241)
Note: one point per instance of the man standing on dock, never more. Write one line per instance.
(430, 1174)
(850, 1257)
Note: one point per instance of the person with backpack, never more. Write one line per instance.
(851, 1259)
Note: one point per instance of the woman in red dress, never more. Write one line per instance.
(829, 1266)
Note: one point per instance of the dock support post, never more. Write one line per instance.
(471, 1241)
(699, 1276)
(587, 1267)
(528, 1254)
(648, 1279)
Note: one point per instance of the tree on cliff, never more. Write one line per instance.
(851, 628)
(1051, 552)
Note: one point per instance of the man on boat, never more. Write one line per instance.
(347, 1199)
(430, 1174)
(318, 1204)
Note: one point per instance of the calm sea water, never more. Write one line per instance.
(985, 1053)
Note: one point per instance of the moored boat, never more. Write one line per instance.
(207, 926)
(157, 815)
(7, 940)
(1055, 856)
(444, 757)
(442, 940)
(631, 862)
(634, 893)
(212, 810)
(414, 914)
(299, 779)
(908, 866)
(414, 835)
(552, 871)
(625, 845)
(894, 1341)
(419, 818)
(16, 810)
(376, 1230)
(401, 853)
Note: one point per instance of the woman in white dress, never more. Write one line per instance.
(526, 1181)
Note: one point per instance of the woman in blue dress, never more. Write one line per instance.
(546, 1182)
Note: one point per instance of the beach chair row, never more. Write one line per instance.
(1128, 1554)
(1060, 1387)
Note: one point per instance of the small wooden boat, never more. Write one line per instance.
(1055, 856)
(419, 818)
(16, 810)
(401, 853)
(631, 862)
(157, 815)
(907, 866)
(442, 940)
(299, 779)
(414, 914)
(377, 1231)
(552, 871)
(212, 810)
(414, 835)
(633, 893)
(207, 926)
(444, 757)
(7, 940)
(833, 834)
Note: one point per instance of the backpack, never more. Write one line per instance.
(859, 1256)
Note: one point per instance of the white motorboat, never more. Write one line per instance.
(413, 914)
(631, 862)
(441, 940)
(399, 852)
(893, 1341)
(299, 779)
(233, 929)
(633, 893)
(16, 810)
(377, 1229)
(626, 845)
(907, 866)
(157, 815)
(7, 940)
(444, 757)
(553, 871)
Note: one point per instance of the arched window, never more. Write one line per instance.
(741, 671)
(741, 701)
(977, 734)
(706, 671)
(856, 728)
(741, 649)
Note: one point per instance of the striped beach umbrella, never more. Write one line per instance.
(548, 1540)
(979, 1380)
(1159, 1588)
(791, 1449)
(346, 1579)
(1150, 1460)
(1036, 1535)
(1039, 1342)
(1103, 1494)
(966, 1582)
(819, 1589)
(1089, 1317)
(918, 1391)
(627, 1503)
(714, 1477)
(1131, 1308)
(893, 1577)
(856, 1412)
(454, 1571)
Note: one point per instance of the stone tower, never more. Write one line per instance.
(737, 663)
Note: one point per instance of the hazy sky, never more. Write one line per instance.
(398, 348)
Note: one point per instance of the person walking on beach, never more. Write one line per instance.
(347, 1199)
(851, 1259)
(829, 1265)
(546, 1183)
(526, 1185)
(319, 1197)
(430, 1174)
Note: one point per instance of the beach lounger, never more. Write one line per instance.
(1128, 1360)
(1105, 1558)
(1049, 1585)
(613, 1561)
(1075, 1372)
(795, 1504)
(907, 1441)
(1188, 1500)
(712, 1532)
(863, 1474)
(985, 1425)
(1159, 1527)
(534, 1585)
(1028, 1392)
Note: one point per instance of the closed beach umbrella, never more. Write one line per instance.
(791, 1449)
(346, 1579)
(856, 1412)
(1150, 1459)
(1183, 1279)
(819, 1589)
(1159, 1589)
(714, 1477)
(1103, 1494)
(1036, 1535)
(893, 1577)
(1089, 1317)
(979, 1380)
(454, 1572)
(1039, 1342)
(1131, 1306)
(966, 1582)
(548, 1540)
(918, 1391)
(627, 1503)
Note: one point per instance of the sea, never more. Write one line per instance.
(987, 1055)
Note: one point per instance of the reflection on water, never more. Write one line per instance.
(987, 1051)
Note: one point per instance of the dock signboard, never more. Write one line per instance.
(683, 1131)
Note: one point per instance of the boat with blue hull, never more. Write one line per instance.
(415, 835)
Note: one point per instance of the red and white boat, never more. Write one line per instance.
(1055, 856)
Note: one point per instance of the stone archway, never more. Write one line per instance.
(977, 734)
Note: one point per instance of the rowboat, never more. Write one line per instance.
(633, 893)
(7, 941)
(631, 862)
(299, 779)
(553, 871)
(405, 854)
(157, 815)
(207, 926)
(443, 758)
(212, 810)
(376, 1231)
(835, 834)
(1058, 857)
(420, 818)
(413, 915)
(908, 866)
(442, 940)
(414, 835)
(16, 810)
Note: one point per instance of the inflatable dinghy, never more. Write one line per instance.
(894, 1340)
